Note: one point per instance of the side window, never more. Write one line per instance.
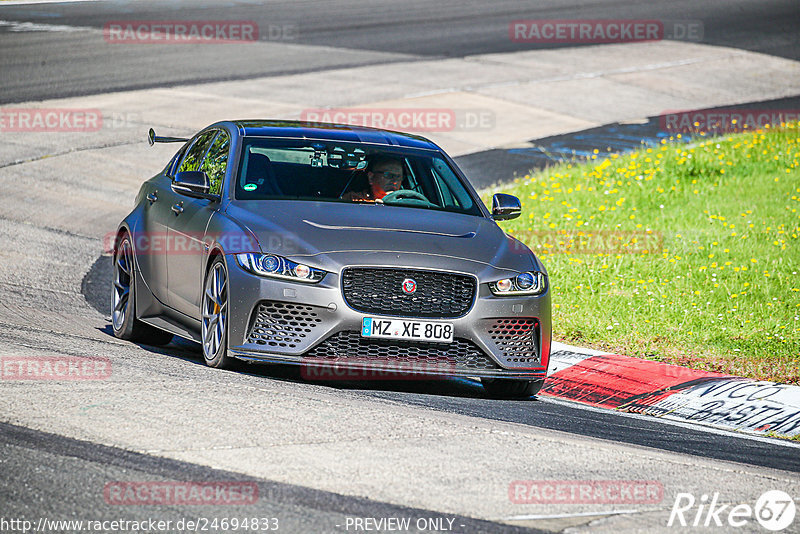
(172, 167)
(191, 162)
(453, 196)
(216, 161)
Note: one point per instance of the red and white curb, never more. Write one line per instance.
(678, 393)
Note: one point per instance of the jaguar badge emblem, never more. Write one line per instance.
(409, 286)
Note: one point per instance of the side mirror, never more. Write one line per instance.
(152, 138)
(193, 184)
(505, 207)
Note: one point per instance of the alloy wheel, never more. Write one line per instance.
(215, 311)
(123, 274)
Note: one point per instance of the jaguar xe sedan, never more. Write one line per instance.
(331, 247)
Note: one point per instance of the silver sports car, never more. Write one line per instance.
(331, 247)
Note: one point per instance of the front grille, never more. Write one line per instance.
(282, 324)
(380, 290)
(460, 355)
(515, 339)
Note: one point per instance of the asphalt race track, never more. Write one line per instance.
(50, 64)
(320, 453)
(70, 466)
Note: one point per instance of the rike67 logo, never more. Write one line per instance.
(775, 510)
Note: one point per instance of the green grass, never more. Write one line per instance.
(684, 253)
(796, 437)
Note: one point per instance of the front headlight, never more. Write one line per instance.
(279, 267)
(528, 283)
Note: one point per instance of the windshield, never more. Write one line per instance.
(349, 172)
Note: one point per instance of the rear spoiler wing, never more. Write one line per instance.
(152, 138)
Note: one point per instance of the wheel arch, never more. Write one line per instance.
(121, 231)
(215, 253)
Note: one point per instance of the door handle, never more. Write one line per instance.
(152, 197)
(177, 209)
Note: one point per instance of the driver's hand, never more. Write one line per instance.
(357, 196)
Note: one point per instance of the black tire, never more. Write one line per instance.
(214, 333)
(123, 300)
(503, 388)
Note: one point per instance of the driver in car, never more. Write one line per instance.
(385, 175)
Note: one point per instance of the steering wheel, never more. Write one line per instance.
(404, 194)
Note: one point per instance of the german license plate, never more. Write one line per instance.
(407, 329)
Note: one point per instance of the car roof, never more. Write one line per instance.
(332, 132)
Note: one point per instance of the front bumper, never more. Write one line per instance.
(323, 331)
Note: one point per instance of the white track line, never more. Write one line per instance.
(562, 516)
(33, 2)
(16, 26)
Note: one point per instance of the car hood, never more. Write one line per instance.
(325, 234)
